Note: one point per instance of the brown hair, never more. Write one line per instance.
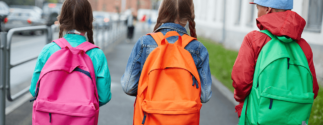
(171, 10)
(76, 15)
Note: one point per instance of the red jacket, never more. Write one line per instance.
(287, 23)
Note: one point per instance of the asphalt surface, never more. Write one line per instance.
(119, 111)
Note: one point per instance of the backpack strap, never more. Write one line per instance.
(182, 40)
(267, 32)
(186, 40)
(158, 37)
(86, 46)
(62, 42)
(242, 119)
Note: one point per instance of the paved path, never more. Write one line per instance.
(119, 111)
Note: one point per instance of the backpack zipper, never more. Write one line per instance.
(193, 78)
(50, 117)
(37, 90)
(288, 63)
(271, 103)
(144, 119)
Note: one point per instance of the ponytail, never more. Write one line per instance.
(90, 36)
(61, 30)
(192, 27)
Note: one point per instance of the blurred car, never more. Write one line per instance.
(22, 17)
(34, 8)
(51, 12)
(102, 20)
(4, 11)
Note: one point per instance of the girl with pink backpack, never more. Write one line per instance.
(71, 79)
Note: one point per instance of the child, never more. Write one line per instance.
(173, 16)
(75, 21)
(281, 29)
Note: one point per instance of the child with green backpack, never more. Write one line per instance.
(274, 76)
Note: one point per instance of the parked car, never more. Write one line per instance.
(102, 20)
(50, 12)
(34, 8)
(4, 11)
(21, 17)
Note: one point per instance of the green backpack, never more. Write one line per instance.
(282, 91)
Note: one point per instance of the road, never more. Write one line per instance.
(119, 111)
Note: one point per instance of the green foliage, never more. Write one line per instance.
(317, 110)
(52, 1)
(221, 61)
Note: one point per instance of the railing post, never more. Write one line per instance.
(3, 42)
(49, 34)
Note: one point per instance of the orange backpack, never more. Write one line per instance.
(169, 87)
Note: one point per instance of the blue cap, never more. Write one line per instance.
(276, 4)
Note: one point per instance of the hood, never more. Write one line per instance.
(287, 23)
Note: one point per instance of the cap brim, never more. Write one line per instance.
(252, 3)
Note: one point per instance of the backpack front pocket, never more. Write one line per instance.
(171, 112)
(63, 113)
(278, 106)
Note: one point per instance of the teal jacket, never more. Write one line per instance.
(100, 64)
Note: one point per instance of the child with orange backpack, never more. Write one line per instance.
(71, 79)
(168, 70)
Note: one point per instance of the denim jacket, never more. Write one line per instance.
(147, 44)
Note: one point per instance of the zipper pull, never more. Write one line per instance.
(37, 90)
(271, 103)
(288, 63)
(195, 82)
(144, 120)
(50, 117)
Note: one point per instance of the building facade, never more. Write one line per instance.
(228, 21)
(116, 6)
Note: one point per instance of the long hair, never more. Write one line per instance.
(171, 10)
(78, 15)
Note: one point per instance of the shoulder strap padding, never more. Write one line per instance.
(62, 42)
(86, 46)
(158, 37)
(187, 39)
(267, 32)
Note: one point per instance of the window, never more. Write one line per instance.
(314, 19)
(239, 7)
(251, 14)
(214, 9)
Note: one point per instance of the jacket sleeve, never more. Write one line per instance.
(130, 79)
(242, 73)
(205, 74)
(39, 65)
(103, 80)
(309, 55)
(41, 60)
(315, 84)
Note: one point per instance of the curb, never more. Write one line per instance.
(224, 90)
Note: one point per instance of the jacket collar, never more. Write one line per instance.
(173, 27)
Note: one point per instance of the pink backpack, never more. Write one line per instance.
(66, 91)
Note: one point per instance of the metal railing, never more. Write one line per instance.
(103, 37)
(114, 32)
